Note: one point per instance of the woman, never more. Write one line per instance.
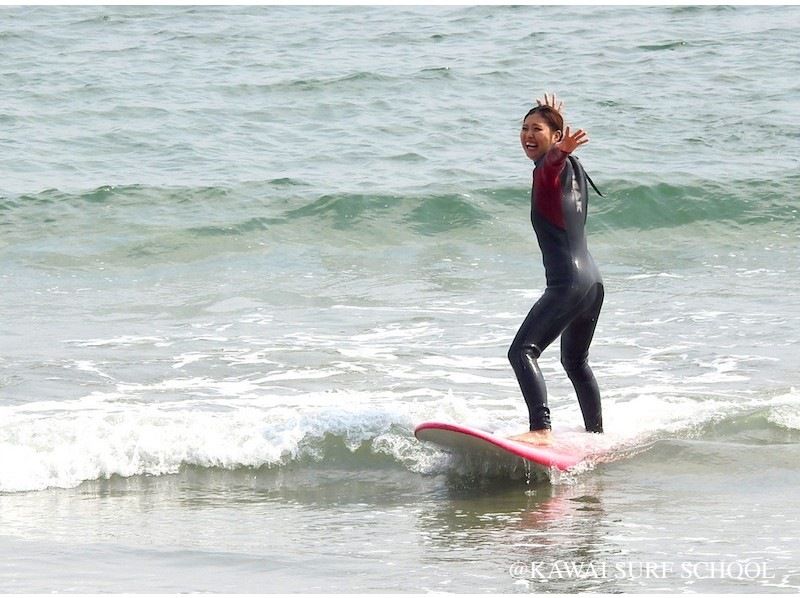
(572, 300)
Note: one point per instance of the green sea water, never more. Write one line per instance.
(245, 250)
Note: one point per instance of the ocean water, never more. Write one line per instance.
(245, 250)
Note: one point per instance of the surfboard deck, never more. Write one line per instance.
(468, 440)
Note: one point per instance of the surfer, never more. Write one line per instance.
(573, 297)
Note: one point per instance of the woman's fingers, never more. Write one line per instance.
(551, 102)
(571, 140)
(578, 136)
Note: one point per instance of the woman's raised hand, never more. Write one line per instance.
(551, 101)
(572, 141)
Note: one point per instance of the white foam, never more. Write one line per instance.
(201, 386)
(213, 423)
(786, 410)
(61, 444)
(235, 423)
(299, 374)
(653, 275)
(91, 367)
(374, 352)
(233, 304)
(248, 357)
(466, 362)
(186, 358)
(118, 341)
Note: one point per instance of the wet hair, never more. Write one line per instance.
(550, 115)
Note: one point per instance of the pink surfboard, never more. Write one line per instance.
(471, 440)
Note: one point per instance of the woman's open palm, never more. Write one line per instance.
(572, 141)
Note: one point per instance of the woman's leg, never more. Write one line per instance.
(541, 327)
(575, 341)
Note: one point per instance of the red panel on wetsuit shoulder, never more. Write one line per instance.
(547, 186)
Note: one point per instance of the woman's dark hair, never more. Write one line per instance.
(550, 115)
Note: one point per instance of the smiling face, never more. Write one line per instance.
(537, 135)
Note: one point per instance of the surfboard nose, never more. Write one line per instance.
(466, 440)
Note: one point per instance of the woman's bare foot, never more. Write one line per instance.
(538, 437)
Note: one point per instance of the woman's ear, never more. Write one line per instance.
(559, 135)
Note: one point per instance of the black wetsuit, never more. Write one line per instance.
(572, 300)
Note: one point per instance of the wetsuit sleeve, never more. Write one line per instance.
(547, 186)
(553, 163)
